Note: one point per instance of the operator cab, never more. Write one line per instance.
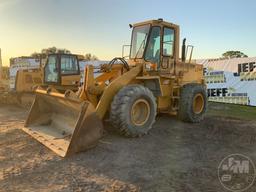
(155, 43)
(61, 70)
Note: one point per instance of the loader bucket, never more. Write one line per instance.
(64, 125)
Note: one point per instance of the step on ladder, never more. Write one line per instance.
(175, 98)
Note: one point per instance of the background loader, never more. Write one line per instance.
(59, 71)
(127, 93)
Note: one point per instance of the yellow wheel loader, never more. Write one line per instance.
(129, 94)
(62, 72)
(58, 71)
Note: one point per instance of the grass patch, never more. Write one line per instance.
(231, 110)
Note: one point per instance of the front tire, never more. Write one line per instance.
(133, 110)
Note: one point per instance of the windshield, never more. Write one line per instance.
(139, 39)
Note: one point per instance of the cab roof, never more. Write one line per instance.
(156, 22)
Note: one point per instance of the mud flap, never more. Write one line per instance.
(64, 125)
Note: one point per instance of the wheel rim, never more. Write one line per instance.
(198, 103)
(140, 112)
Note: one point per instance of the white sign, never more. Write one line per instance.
(231, 80)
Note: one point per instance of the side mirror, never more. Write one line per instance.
(190, 49)
(123, 51)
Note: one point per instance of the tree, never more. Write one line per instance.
(90, 57)
(36, 55)
(50, 50)
(63, 51)
(55, 50)
(233, 54)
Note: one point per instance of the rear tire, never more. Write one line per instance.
(133, 110)
(193, 103)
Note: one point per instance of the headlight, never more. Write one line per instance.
(151, 66)
(148, 66)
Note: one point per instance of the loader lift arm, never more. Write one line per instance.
(82, 112)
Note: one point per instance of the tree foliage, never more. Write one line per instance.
(233, 54)
(55, 50)
(52, 50)
(90, 57)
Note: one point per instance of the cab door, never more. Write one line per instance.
(160, 49)
(69, 70)
(153, 51)
(51, 71)
(167, 56)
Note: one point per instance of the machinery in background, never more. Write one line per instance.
(58, 71)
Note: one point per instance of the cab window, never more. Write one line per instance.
(69, 65)
(153, 47)
(51, 71)
(168, 42)
(139, 39)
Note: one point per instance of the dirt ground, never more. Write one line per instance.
(174, 156)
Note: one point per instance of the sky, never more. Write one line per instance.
(101, 27)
